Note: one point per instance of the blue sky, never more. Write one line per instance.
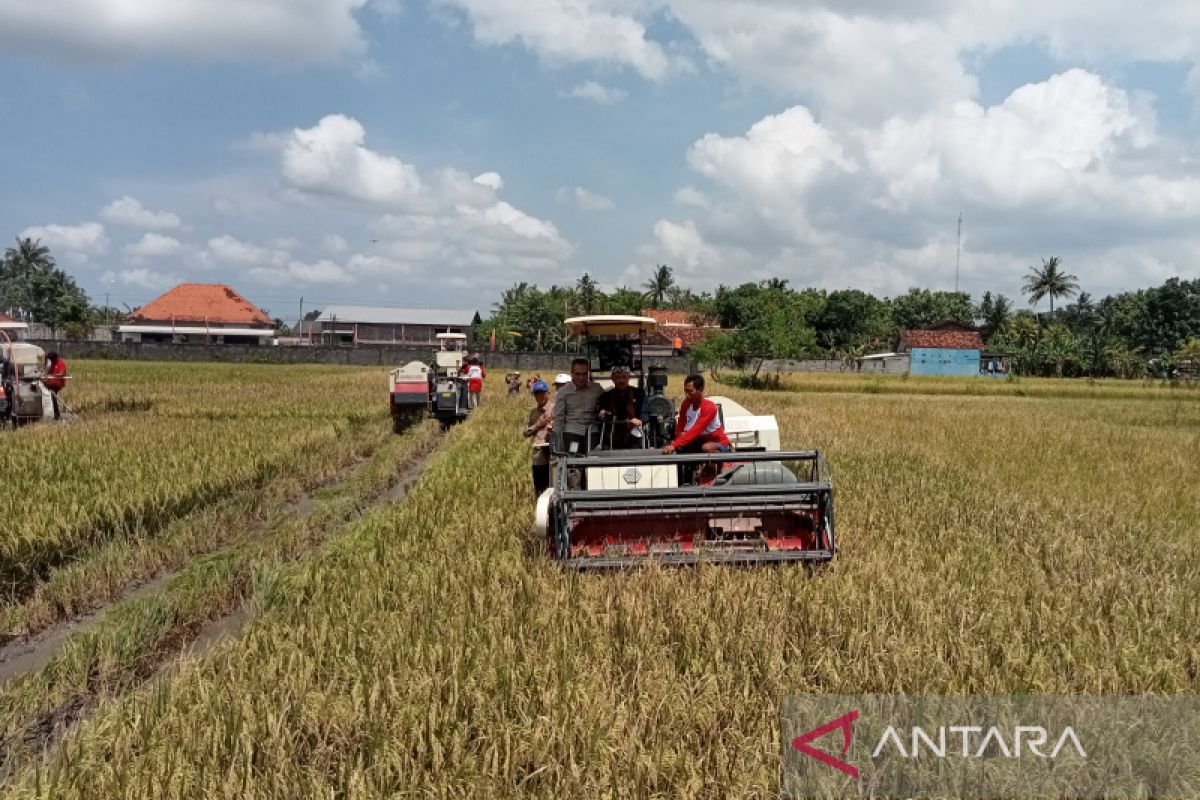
(436, 151)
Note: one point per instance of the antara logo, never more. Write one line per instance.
(845, 724)
(976, 742)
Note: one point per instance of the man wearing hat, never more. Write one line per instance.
(623, 407)
(538, 427)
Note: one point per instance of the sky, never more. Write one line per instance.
(435, 152)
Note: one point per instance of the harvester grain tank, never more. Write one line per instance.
(408, 394)
(611, 507)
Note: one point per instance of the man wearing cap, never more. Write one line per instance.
(623, 407)
(538, 427)
(575, 408)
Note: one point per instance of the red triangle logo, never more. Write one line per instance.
(845, 724)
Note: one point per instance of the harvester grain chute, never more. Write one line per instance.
(620, 507)
(416, 389)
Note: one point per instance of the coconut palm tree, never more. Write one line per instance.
(588, 295)
(1049, 281)
(659, 286)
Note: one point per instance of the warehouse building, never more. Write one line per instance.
(386, 325)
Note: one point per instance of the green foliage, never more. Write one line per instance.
(995, 314)
(31, 283)
(921, 308)
(854, 319)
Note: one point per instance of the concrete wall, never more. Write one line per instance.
(548, 364)
(897, 365)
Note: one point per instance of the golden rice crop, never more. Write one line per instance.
(155, 441)
(989, 545)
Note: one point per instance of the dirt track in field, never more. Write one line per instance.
(29, 654)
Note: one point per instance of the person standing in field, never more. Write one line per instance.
(55, 379)
(699, 428)
(475, 375)
(575, 408)
(538, 427)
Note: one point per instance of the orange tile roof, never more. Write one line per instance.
(672, 318)
(6, 318)
(201, 302)
(943, 339)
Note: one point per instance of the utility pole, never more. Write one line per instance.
(300, 324)
(958, 253)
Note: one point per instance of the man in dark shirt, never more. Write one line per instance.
(623, 409)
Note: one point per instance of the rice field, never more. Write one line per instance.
(991, 542)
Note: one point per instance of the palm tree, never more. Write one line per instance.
(1048, 281)
(659, 285)
(588, 293)
(30, 257)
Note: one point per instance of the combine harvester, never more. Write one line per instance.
(25, 398)
(621, 507)
(415, 390)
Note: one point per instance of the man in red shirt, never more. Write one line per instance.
(699, 429)
(55, 378)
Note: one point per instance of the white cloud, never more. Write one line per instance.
(229, 251)
(492, 180)
(691, 196)
(72, 243)
(144, 278)
(287, 30)
(153, 245)
(584, 199)
(1069, 166)
(683, 242)
(334, 243)
(568, 31)
(319, 273)
(331, 159)
(129, 211)
(596, 93)
(455, 222)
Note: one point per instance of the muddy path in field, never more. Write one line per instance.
(191, 642)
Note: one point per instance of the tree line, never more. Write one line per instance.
(1131, 334)
(1148, 331)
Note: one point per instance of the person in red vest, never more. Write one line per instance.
(699, 429)
(55, 378)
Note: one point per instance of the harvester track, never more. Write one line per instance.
(30, 654)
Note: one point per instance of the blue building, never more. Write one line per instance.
(947, 348)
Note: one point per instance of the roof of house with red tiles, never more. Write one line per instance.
(957, 337)
(201, 302)
(689, 327)
(5, 319)
(671, 318)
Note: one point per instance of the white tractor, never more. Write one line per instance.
(25, 398)
(611, 507)
(441, 391)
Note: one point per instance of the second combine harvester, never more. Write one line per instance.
(609, 507)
